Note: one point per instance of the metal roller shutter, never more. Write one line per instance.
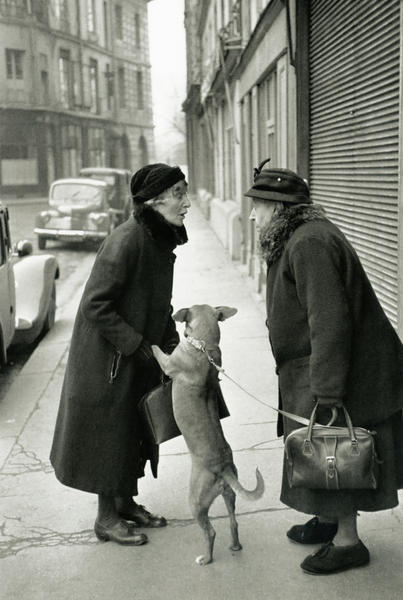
(354, 127)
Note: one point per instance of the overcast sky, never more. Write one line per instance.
(168, 66)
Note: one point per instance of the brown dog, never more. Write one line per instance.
(194, 383)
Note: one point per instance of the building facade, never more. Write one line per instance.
(316, 86)
(75, 89)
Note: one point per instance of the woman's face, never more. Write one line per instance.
(174, 204)
(262, 213)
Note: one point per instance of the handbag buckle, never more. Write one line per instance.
(307, 448)
(331, 466)
(354, 447)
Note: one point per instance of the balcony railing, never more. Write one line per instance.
(13, 8)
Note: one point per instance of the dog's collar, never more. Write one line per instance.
(201, 345)
(198, 344)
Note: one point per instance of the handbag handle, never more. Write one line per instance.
(349, 423)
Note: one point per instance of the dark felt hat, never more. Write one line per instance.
(150, 181)
(279, 185)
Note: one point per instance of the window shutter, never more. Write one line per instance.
(354, 129)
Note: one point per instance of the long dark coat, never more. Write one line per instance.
(331, 338)
(98, 443)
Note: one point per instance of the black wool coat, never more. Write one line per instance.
(329, 334)
(98, 443)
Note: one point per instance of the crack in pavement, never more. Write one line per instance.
(23, 461)
(187, 522)
(44, 537)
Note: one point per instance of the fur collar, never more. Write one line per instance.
(285, 221)
(166, 235)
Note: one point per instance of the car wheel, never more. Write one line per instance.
(51, 314)
(41, 242)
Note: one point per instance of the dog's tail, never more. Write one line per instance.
(232, 480)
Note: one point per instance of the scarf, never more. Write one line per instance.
(285, 221)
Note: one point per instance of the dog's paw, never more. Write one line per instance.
(236, 547)
(203, 560)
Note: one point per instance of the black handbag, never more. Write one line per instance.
(330, 457)
(156, 412)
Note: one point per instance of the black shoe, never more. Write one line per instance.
(121, 533)
(334, 559)
(142, 517)
(313, 532)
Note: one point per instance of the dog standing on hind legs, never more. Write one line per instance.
(194, 396)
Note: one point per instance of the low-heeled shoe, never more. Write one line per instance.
(121, 533)
(312, 532)
(334, 559)
(142, 517)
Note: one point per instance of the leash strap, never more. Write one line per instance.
(201, 345)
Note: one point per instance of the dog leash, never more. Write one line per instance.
(201, 345)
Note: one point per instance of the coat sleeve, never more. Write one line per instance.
(106, 284)
(317, 271)
(170, 339)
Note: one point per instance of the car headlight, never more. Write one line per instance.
(99, 218)
(43, 218)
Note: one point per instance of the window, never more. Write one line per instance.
(14, 151)
(96, 147)
(109, 87)
(137, 29)
(14, 63)
(62, 15)
(122, 87)
(267, 94)
(91, 16)
(71, 149)
(19, 162)
(65, 78)
(14, 8)
(44, 89)
(94, 86)
(118, 22)
(40, 10)
(106, 21)
(140, 92)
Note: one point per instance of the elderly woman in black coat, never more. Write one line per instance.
(333, 345)
(98, 444)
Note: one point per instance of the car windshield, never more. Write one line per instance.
(75, 193)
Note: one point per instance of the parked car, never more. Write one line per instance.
(86, 207)
(119, 180)
(28, 291)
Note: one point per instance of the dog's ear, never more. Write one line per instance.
(181, 315)
(225, 312)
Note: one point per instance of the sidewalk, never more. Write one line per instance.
(47, 546)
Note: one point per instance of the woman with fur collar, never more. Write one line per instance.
(98, 443)
(334, 345)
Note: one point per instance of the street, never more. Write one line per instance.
(69, 257)
(47, 545)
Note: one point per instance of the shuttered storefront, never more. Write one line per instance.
(354, 128)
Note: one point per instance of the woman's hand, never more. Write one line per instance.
(144, 352)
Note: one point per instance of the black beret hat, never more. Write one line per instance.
(281, 185)
(150, 181)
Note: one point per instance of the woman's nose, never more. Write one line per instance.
(187, 202)
(252, 216)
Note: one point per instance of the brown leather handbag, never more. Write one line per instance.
(331, 458)
(157, 414)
